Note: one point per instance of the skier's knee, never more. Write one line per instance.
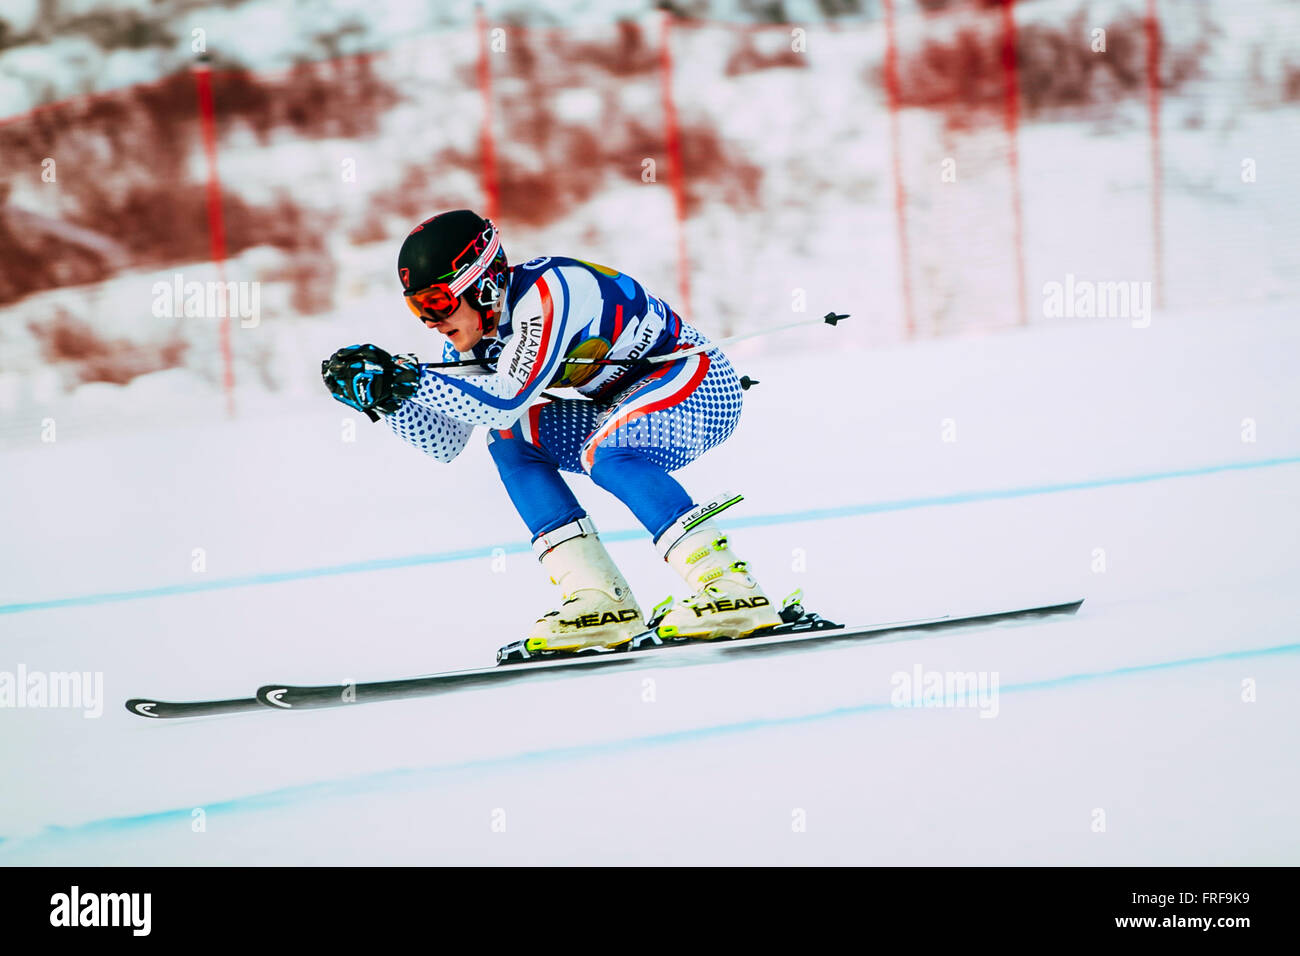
(507, 448)
(604, 463)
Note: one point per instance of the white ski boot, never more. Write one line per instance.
(727, 601)
(599, 610)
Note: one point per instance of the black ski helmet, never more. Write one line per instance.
(462, 250)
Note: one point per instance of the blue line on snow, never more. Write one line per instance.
(296, 795)
(519, 547)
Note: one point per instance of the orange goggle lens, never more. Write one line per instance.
(436, 302)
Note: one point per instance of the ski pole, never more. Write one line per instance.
(830, 318)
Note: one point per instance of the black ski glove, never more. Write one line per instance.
(366, 378)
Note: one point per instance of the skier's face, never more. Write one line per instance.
(462, 327)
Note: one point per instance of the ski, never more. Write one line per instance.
(145, 707)
(815, 632)
(803, 631)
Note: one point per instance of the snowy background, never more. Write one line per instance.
(965, 463)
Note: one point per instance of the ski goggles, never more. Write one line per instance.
(434, 303)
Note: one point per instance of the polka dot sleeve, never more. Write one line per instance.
(430, 431)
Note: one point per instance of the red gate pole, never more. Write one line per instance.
(893, 90)
(487, 145)
(216, 224)
(1011, 78)
(1151, 25)
(673, 141)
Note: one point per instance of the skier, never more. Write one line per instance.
(637, 423)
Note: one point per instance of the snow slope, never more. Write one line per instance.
(328, 560)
